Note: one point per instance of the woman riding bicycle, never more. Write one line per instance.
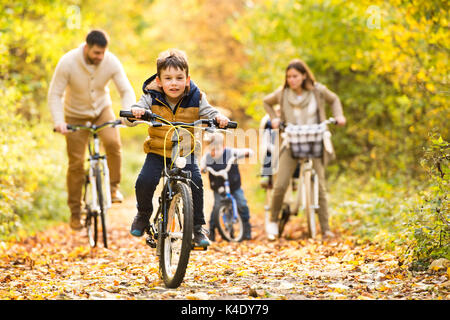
(302, 101)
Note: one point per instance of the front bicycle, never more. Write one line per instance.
(171, 229)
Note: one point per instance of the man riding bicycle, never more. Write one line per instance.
(81, 77)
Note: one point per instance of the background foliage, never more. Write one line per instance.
(387, 61)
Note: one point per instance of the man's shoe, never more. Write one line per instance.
(200, 238)
(116, 197)
(140, 223)
(272, 230)
(75, 222)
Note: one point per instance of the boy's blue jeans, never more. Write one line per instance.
(149, 178)
(241, 203)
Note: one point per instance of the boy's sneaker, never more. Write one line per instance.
(200, 238)
(140, 222)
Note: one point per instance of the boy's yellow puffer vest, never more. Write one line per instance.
(187, 110)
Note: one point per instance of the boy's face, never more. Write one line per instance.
(173, 81)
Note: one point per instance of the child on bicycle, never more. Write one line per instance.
(171, 94)
(217, 159)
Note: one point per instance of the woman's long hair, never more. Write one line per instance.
(300, 66)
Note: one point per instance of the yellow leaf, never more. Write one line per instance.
(241, 273)
(213, 279)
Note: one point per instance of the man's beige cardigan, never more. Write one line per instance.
(86, 89)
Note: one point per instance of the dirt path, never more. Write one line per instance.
(58, 264)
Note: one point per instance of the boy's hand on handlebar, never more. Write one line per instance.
(222, 121)
(138, 112)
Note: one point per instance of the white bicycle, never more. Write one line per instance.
(305, 142)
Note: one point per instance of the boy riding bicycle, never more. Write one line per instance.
(217, 159)
(171, 94)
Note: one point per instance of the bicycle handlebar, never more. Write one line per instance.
(93, 127)
(223, 171)
(330, 120)
(151, 117)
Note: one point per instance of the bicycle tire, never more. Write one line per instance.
(100, 198)
(91, 218)
(309, 210)
(226, 226)
(179, 224)
(285, 214)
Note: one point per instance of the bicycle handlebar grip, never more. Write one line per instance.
(69, 127)
(231, 124)
(126, 114)
(147, 116)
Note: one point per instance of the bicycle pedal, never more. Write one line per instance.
(198, 248)
(150, 242)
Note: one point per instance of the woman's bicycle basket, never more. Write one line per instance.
(305, 141)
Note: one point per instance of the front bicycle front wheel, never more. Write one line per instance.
(176, 236)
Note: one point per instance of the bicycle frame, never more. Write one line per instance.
(94, 161)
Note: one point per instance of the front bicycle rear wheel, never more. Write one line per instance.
(231, 228)
(176, 236)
